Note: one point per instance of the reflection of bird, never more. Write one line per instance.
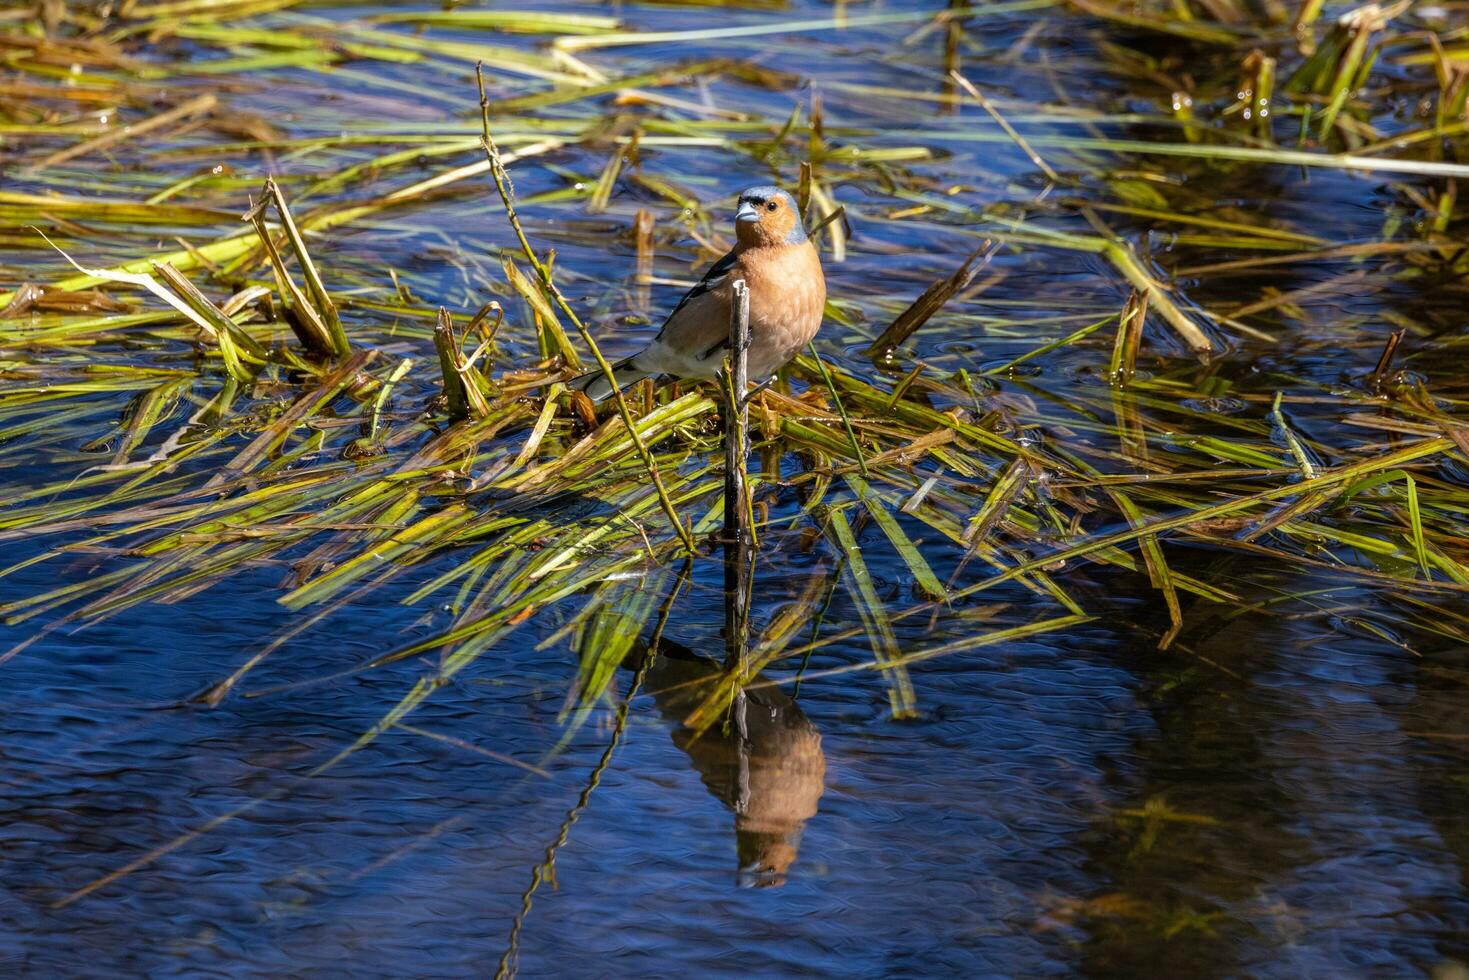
(787, 294)
(772, 780)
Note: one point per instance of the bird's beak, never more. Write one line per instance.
(747, 212)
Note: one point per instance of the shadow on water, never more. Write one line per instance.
(1274, 817)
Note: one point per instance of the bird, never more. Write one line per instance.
(782, 270)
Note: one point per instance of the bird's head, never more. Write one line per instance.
(768, 216)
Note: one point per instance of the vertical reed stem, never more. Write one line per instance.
(736, 449)
(543, 271)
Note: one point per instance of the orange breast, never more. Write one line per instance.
(787, 296)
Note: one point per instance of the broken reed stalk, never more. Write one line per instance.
(1129, 337)
(1126, 262)
(643, 242)
(305, 322)
(931, 301)
(1384, 361)
(502, 186)
(319, 296)
(454, 394)
(736, 449)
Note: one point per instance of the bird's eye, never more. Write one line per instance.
(771, 205)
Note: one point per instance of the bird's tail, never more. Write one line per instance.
(594, 383)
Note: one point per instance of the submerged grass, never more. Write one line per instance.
(400, 430)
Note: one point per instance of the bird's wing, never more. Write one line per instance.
(693, 332)
(716, 276)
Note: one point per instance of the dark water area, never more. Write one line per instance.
(1082, 805)
(1079, 805)
(1283, 793)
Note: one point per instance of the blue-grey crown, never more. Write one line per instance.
(759, 195)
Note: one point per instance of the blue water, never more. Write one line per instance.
(963, 842)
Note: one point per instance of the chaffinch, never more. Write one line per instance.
(782, 270)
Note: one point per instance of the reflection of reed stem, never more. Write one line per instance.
(742, 754)
(547, 867)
